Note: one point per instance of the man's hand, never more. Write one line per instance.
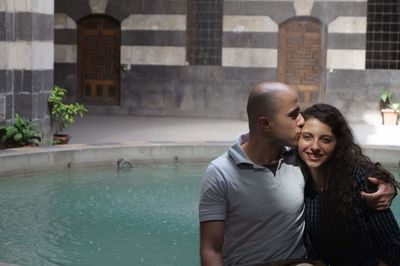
(382, 198)
(318, 263)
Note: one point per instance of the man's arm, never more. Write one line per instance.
(211, 242)
(382, 198)
(381, 263)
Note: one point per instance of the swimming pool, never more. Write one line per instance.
(102, 217)
(147, 216)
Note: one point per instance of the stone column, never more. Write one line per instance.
(26, 60)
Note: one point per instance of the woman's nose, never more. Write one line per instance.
(314, 146)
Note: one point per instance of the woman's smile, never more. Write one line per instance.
(316, 143)
(314, 156)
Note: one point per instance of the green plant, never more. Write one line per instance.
(387, 101)
(63, 114)
(20, 133)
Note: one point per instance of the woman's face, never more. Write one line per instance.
(316, 144)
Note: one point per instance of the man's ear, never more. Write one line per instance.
(264, 123)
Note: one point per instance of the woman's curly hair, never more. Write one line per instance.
(338, 184)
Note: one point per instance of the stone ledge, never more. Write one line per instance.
(29, 160)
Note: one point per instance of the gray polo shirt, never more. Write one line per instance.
(263, 212)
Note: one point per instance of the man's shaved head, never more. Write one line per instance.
(263, 101)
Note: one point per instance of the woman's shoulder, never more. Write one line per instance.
(360, 176)
(362, 172)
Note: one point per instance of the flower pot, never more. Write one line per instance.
(61, 138)
(389, 116)
(9, 146)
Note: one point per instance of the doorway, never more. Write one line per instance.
(301, 57)
(99, 42)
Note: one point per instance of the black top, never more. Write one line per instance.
(363, 240)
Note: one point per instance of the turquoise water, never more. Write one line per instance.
(396, 202)
(148, 216)
(104, 217)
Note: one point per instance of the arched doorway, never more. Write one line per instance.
(301, 59)
(99, 42)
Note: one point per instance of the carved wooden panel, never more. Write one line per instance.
(301, 61)
(99, 59)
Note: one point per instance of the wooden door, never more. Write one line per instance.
(301, 59)
(99, 44)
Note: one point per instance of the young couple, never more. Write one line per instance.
(252, 197)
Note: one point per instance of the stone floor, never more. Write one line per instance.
(93, 129)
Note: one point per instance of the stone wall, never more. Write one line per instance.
(26, 60)
(159, 81)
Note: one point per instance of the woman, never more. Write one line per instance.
(340, 228)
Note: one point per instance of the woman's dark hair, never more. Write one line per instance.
(338, 182)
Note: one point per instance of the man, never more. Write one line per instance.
(251, 200)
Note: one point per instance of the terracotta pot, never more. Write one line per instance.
(9, 146)
(61, 138)
(389, 117)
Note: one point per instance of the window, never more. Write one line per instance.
(383, 34)
(204, 32)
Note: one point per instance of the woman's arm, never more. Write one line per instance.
(386, 234)
(381, 226)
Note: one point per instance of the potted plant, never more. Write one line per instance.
(20, 133)
(389, 109)
(63, 114)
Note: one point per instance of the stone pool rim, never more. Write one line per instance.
(31, 160)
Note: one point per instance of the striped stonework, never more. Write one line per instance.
(155, 22)
(249, 24)
(64, 39)
(346, 43)
(249, 41)
(350, 25)
(249, 57)
(65, 53)
(63, 21)
(30, 6)
(98, 6)
(156, 78)
(153, 55)
(26, 59)
(154, 39)
(345, 59)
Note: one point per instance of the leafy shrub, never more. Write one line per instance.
(63, 114)
(387, 101)
(20, 133)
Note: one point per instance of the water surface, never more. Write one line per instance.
(148, 216)
(101, 217)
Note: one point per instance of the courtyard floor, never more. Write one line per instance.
(99, 130)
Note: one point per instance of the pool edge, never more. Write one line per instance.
(29, 160)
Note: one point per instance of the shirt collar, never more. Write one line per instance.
(240, 157)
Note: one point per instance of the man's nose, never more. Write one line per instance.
(300, 120)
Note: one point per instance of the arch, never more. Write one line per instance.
(302, 57)
(99, 45)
